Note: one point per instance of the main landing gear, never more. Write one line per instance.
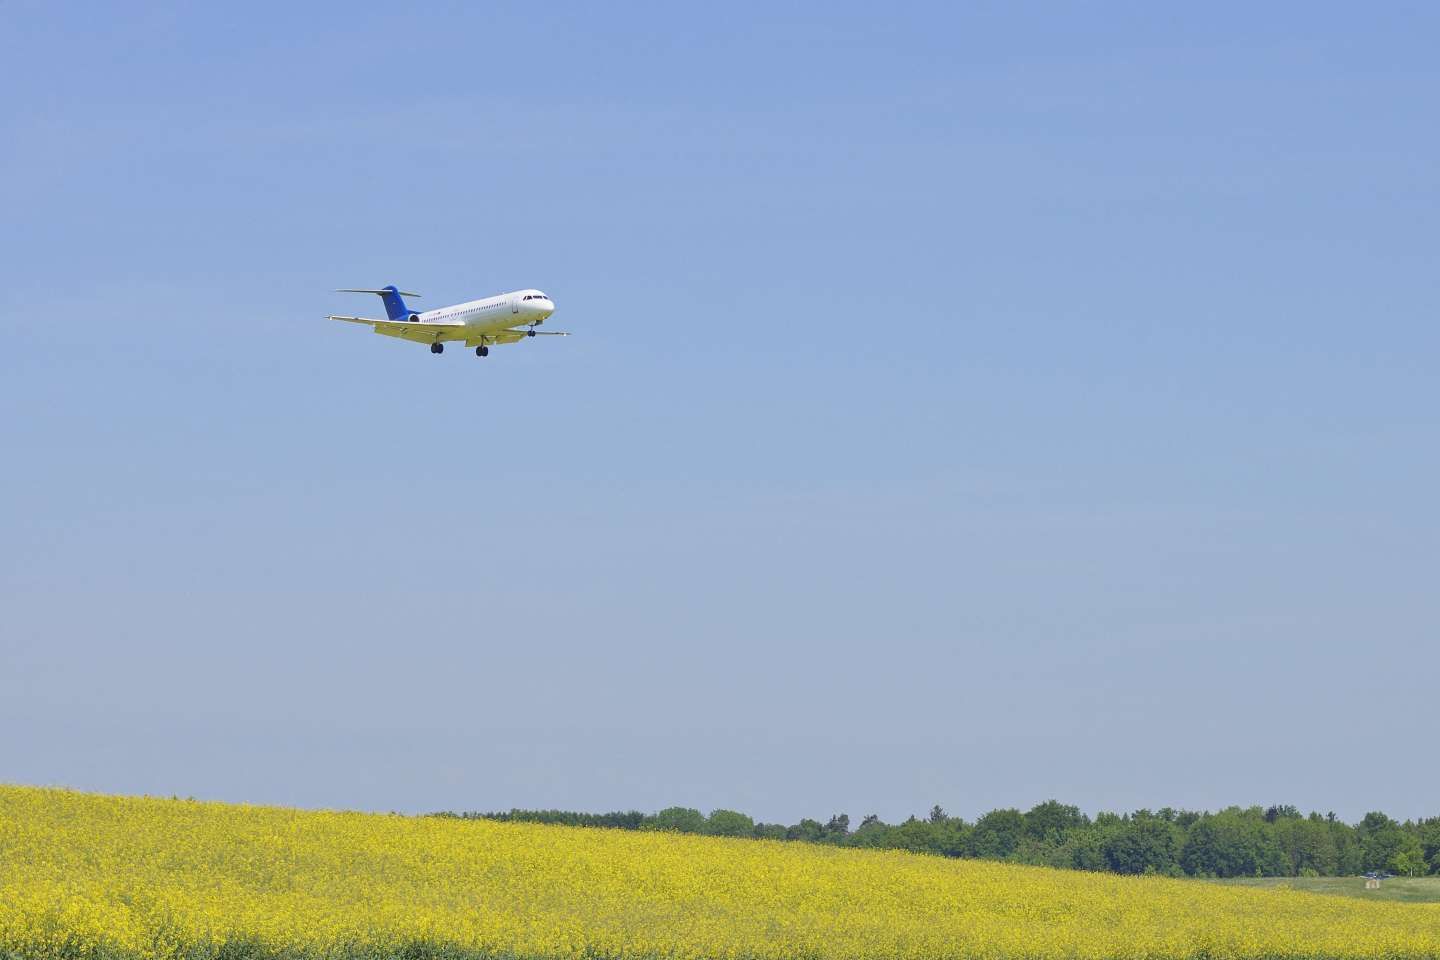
(437, 348)
(482, 351)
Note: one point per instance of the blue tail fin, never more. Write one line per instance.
(395, 307)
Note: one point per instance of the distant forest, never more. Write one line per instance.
(1236, 842)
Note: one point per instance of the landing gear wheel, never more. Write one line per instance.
(437, 348)
(529, 333)
(482, 351)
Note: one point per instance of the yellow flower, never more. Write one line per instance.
(156, 878)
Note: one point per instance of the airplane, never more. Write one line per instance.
(506, 318)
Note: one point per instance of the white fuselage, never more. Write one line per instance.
(522, 308)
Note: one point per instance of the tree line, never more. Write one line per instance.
(1277, 841)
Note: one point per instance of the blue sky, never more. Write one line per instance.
(968, 405)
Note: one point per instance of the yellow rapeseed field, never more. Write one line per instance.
(86, 875)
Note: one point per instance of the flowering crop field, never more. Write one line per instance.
(85, 876)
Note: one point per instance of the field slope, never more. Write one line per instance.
(1404, 889)
(113, 877)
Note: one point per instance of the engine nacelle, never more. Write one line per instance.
(414, 318)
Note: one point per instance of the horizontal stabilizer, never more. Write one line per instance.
(382, 293)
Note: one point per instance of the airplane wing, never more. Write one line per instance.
(509, 336)
(405, 330)
(446, 331)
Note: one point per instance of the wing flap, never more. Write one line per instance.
(421, 332)
(405, 330)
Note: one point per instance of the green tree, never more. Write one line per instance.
(1349, 854)
(1143, 845)
(917, 836)
(807, 830)
(678, 820)
(997, 834)
(728, 823)
(1053, 820)
(770, 831)
(1032, 852)
(1232, 843)
(1308, 846)
(1084, 850)
(1430, 843)
(1283, 811)
(1407, 862)
(1380, 839)
(951, 838)
(872, 832)
(1185, 819)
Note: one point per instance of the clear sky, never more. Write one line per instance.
(968, 404)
